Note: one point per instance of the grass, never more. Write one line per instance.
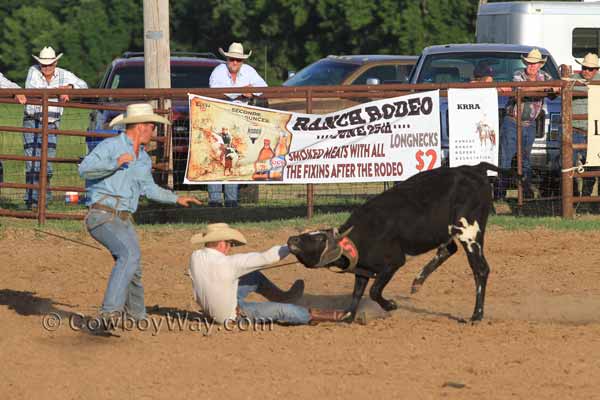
(319, 220)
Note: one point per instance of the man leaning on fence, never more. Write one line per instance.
(44, 75)
(120, 170)
(589, 72)
(531, 108)
(235, 73)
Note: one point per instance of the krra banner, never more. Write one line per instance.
(593, 149)
(383, 140)
(473, 126)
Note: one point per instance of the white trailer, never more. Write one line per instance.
(568, 30)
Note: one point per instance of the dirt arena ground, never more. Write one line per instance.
(540, 338)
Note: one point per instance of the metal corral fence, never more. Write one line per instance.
(80, 130)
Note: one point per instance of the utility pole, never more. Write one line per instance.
(157, 63)
(157, 50)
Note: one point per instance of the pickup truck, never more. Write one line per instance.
(454, 63)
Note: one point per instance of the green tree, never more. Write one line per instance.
(26, 31)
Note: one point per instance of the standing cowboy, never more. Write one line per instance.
(119, 170)
(44, 75)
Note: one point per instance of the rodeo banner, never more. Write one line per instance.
(473, 126)
(384, 140)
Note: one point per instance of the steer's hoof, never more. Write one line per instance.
(389, 305)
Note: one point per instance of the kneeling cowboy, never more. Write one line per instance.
(119, 170)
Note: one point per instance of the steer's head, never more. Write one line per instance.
(317, 248)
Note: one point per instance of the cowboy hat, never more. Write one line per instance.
(236, 50)
(534, 57)
(47, 56)
(590, 60)
(218, 232)
(138, 113)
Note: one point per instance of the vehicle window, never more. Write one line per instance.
(322, 72)
(459, 67)
(182, 76)
(404, 72)
(385, 73)
(585, 40)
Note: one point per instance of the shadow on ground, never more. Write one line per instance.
(28, 304)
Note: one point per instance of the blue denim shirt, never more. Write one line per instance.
(120, 188)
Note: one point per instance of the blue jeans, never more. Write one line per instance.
(125, 291)
(278, 312)
(508, 149)
(32, 146)
(215, 193)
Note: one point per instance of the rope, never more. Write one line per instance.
(68, 239)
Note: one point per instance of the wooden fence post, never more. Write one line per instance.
(567, 151)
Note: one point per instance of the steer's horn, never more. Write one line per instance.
(337, 235)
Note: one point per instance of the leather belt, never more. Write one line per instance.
(124, 215)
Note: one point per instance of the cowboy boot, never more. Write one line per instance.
(318, 315)
(272, 293)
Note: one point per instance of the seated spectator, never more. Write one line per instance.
(483, 72)
(222, 282)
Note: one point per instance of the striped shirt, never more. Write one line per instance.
(36, 80)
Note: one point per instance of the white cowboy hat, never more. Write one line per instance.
(47, 56)
(534, 57)
(590, 60)
(236, 50)
(137, 113)
(218, 232)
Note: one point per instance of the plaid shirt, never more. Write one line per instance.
(61, 77)
(530, 106)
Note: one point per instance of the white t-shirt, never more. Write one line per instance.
(215, 277)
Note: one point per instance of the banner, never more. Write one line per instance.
(593, 138)
(473, 126)
(383, 140)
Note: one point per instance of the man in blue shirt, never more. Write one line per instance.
(233, 74)
(119, 171)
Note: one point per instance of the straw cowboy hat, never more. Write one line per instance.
(47, 56)
(534, 57)
(236, 50)
(137, 113)
(218, 232)
(590, 60)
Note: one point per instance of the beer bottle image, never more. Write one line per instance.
(262, 165)
(278, 162)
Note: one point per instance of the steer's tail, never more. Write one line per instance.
(485, 166)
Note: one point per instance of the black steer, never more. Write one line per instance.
(430, 210)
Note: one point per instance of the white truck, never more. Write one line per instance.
(568, 30)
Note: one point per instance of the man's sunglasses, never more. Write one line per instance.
(589, 68)
(235, 60)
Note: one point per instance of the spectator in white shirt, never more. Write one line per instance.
(235, 73)
(222, 282)
(44, 75)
